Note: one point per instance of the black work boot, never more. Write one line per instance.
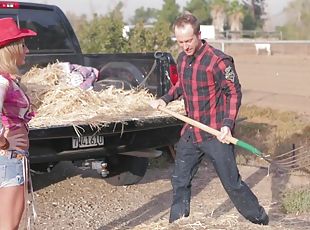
(178, 211)
(263, 219)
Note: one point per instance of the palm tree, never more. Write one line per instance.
(201, 9)
(298, 23)
(256, 6)
(236, 16)
(218, 14)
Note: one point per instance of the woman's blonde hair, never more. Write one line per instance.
(9, 55)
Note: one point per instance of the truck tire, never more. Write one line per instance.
(126, 170)
(114, 73)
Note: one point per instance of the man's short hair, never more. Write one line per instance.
(187, 18)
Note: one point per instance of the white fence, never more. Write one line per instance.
(271, 47)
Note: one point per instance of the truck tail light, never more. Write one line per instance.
(173, 72)
(12, 5)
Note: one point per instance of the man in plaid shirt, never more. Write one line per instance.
(211, 91)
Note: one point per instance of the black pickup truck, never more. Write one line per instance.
(120, 153)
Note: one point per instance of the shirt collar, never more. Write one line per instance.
(200, 50)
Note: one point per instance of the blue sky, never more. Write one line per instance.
(274, 7)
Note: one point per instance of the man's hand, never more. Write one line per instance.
(156, 103)
(225, 132)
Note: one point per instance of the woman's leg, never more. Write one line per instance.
(12, 206)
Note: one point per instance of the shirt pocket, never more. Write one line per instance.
(2, 173)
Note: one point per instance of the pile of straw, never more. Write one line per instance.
(57, 103)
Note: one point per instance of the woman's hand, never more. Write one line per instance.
(2, 137)
(17, 141)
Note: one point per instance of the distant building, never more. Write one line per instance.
(207, 31)
(128, 28)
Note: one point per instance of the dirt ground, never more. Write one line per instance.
(278, 81)
(71, 198)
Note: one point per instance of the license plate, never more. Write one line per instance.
(87, 141)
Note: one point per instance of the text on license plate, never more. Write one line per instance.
(87, 141)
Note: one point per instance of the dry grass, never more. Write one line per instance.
(199, 222)
(57, 103)
(271, 131)
(38, 81)
(297, 200)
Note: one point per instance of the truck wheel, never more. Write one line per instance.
(126, 170)
(121, 71)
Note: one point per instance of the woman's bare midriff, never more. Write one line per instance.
(21, 129)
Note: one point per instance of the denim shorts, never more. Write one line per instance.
(11, 172)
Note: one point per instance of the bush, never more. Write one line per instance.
(297, 201)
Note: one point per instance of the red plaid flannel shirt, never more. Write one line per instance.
(210, 88)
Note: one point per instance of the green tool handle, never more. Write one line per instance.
(212, 131)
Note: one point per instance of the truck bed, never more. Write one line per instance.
(106, 128)
(53, 144)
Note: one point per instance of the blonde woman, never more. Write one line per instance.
(15, 114)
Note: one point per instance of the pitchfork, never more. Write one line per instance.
(296, 159)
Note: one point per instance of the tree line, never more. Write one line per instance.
(152, 27)
(297, 26)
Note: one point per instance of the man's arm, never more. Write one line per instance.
(230, 85)
(231, 88)
(174, 93)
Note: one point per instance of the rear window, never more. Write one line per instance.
(52, 36)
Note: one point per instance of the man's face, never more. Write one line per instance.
(186, 39)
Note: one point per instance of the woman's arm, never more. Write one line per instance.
(4, 83)
(12, 142)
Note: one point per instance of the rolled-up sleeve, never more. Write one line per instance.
(174, 93)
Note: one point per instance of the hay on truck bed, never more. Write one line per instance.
(57, 103)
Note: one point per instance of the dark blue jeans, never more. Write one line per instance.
(188, 157)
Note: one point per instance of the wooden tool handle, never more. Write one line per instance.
(215, 132)
(196, 124)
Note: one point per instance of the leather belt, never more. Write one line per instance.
(12, 154)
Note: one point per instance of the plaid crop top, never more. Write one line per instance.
(16, 105)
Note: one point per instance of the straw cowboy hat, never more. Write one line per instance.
(9, 32)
